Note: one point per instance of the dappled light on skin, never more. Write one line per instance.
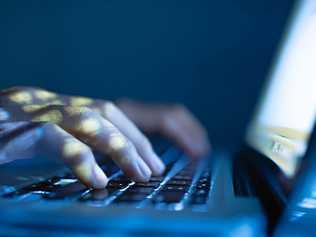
(32, 108)
(74, 110)
(80, 101)
(108, 109)
(44, 95)
(21, 97)
(84, 171)
(89, 126)
(73, 148)
(70, 127)
(56, 102)
(53, 116)
(117, 142)
(35, 107)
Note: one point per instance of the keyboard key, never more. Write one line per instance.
(198, 200)
(121, 178)
(118, 184)
(156, 178)
(204, 180)
(38, 187)
(169, 197)
(121, 189)
(183, 177)
(202, 186)
(98, 194)
(144, 190)
(175, 188)
(130, 198)
(179, 182)
(201, 192)
(54, 179)
(70, 190)
(152, 184)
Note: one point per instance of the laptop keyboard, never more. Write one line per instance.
(185, 184)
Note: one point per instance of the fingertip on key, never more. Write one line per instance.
(158, 166)
(100, 180)
(143, 171)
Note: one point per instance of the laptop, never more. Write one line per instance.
(250, 193)
(298, 218)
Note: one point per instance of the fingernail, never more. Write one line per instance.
(145, 172)
(100, 180)
(158, 166)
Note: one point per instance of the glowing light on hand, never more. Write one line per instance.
(80, 101)
(44, 95)
(73, 148)
(53, 116)
(117, 142)
(89, 126)
(21, 97)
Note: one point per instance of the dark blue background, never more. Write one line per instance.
(210, 55)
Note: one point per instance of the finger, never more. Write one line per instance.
(77, 155)
(50, 140)
(97, 132)
(143, 146)
(174, 122)
(184, 136)
(194, 134)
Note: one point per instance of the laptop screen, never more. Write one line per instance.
(286, 113)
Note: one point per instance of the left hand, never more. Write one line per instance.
(175, 122)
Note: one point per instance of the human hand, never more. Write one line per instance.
(171, 121)
(35, 121)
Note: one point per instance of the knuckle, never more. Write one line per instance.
(123, 151)
(50, 113)
(173, 111)
(109, 103)
(84, 113)
(120, 144)
(80, 112)
(177, 109)
(20, 95)
(109, 108)
(76, 151)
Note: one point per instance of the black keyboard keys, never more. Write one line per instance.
(168, 197)
(71, 190)
(98, 195)
(200, 195)
(130, 198)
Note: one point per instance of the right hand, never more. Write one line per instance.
(34, 121)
